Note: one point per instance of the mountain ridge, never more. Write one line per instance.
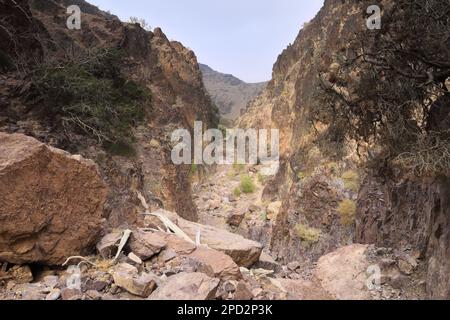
(229, 93)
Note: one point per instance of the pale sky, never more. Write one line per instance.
(241, 37)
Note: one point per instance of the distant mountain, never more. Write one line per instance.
(229, 93)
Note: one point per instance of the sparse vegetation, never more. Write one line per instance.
(301, 175)
(121, 148)
(193, 169)
(351, 180)
(238, 167)
(144, 25)
(90, 95)
(261, 178)
(237, 192)
(307, 234)
(347, 211)
(247, 185)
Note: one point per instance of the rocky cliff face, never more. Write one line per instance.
(394, 211)
(167, 69)
(308, 182)
(230, 94)
(411, 215)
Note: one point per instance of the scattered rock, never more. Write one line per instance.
(108, 245)
(398, 281)
(273, 209)
(235, 218)
(304, 290)
(134, 258)
(254, 208)
(268, 263)
(54, 294)
(30, 291)
(166, 255)
(50, 281)
(51, 204)
(405, 267)
(128, 278)
(146, 244)
(93, 295)
(187, 286)
(243, 251)
(243, 292)
(21, 274)
(293, 266)
(215, 264)
(177, 245)
(71, 294)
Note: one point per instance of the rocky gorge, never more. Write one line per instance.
(92, 207)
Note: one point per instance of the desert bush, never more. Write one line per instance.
(238, 167)
(247, 185)
(262, 179)
(347, 211)
(307, 234)
(237, 192)
(91, 95)
(121, 148)
(351, 180)
(144, 25)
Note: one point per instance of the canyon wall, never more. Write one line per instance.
(167, 69)
(392, 210)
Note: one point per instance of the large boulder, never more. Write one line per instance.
(344, 273)
(244, 252)
(51, 202)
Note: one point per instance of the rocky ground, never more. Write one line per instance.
(172, 258)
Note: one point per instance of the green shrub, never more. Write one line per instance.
(193, 169)
(351, 180)
(237, 192)
(91, 95)
(307, 234)
(238, 167)
(247, 185)
(121, 148)
(261, 178)
(347, 211)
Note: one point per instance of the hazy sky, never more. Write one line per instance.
(241, 37)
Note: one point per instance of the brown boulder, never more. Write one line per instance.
(343, 273)
(187, 286)
(51, 202)
(215, 264)
(128, 278)
(146, 244)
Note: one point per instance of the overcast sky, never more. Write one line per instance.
(241, 37)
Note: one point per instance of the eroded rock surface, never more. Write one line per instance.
(51, 202)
